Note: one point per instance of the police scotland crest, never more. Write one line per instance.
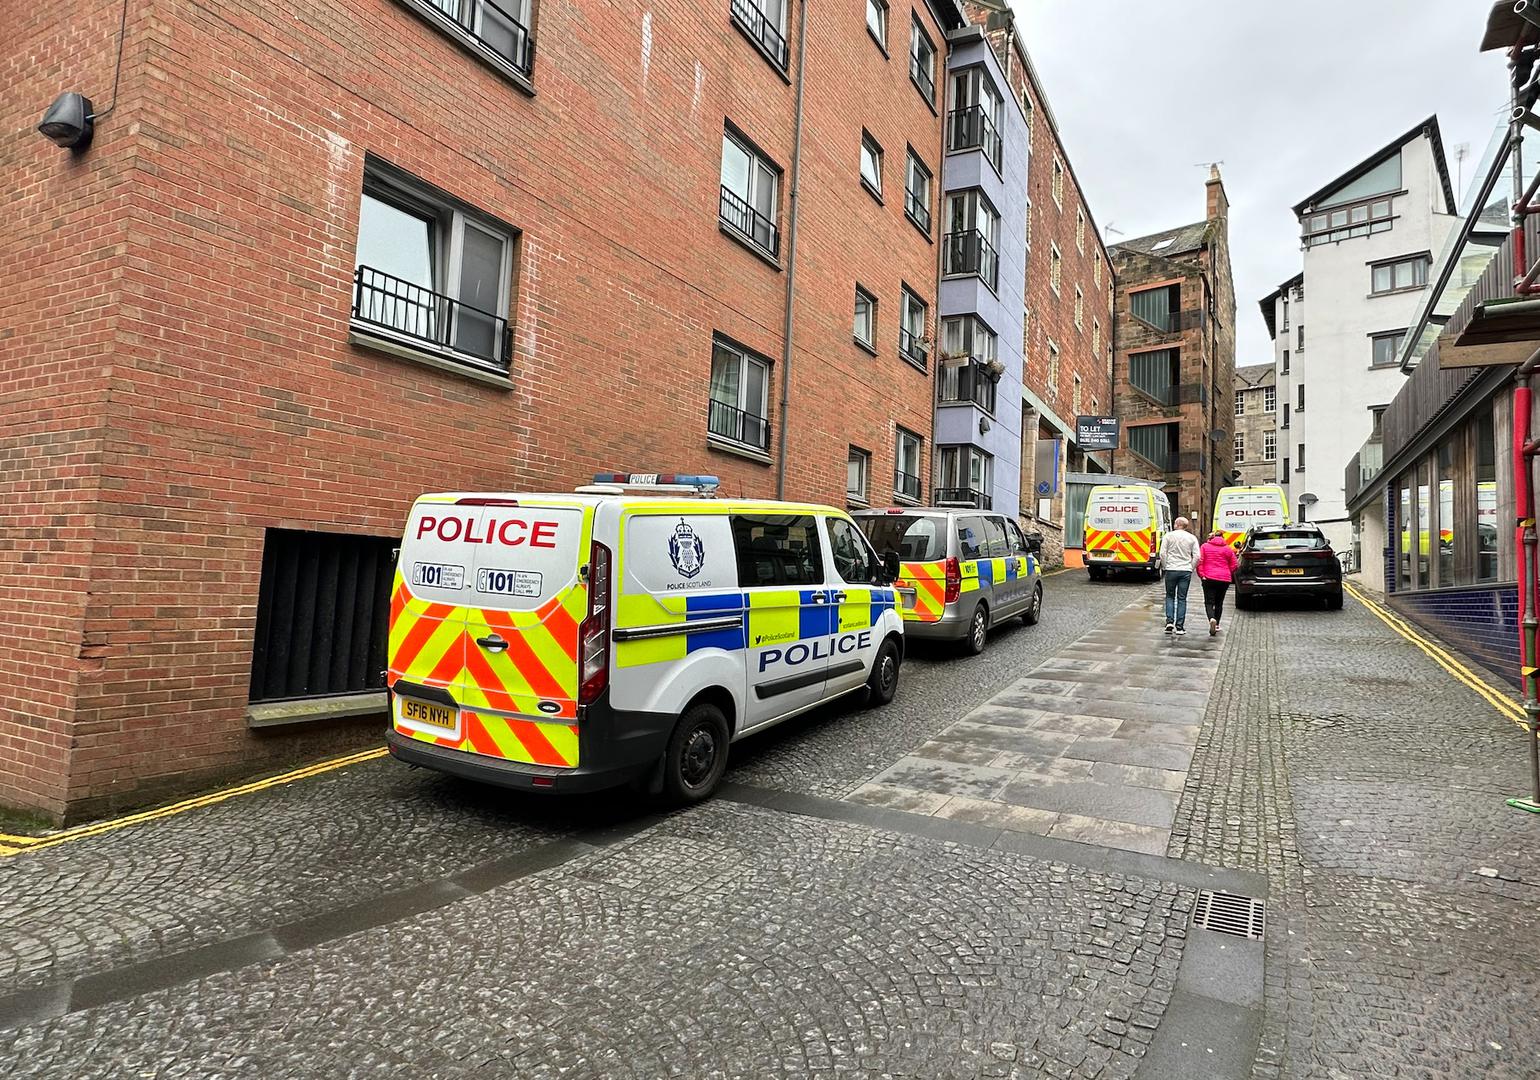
(686, 551)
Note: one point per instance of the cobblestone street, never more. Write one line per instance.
(380, 921)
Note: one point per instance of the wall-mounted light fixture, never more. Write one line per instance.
(70, 121)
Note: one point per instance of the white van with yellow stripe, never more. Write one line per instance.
(961, 571)
(573, 642)
(1124, 525)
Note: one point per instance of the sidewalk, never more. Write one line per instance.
(1367, 783)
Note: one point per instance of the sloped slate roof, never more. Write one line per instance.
(1253, 374)
(1177, 241)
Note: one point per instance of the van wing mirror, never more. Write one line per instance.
(1035, 543)
(891, 568)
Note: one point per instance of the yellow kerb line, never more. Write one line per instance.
(81, 832)
(1506, 706)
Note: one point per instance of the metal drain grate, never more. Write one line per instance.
(1226, 913)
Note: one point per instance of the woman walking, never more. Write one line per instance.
(1217, 563)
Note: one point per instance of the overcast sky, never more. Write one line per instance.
(1287, 96)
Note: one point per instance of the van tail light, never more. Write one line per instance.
(594, 633)
(953, 580)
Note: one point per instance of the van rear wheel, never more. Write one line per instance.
(1035, 609)
(696, 756)
(978, 630)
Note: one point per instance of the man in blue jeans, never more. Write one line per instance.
(1179, 554)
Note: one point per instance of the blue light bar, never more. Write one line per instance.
(641, 479)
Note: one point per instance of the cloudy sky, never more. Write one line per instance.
(1287, 96)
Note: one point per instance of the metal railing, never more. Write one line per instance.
(730, 422)
(750, 222)
(411, 311)
(966, 382)
(961, 496)
(906, 484)
(971, 128)
(970, 253)
(768, 37)
(918, 210)
(920, 73)
(491, 26)
(912, 346)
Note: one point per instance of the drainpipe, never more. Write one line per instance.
(791, 251)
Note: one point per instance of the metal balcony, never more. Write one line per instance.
(761, 31)
(964, 253)
(737, 425)
(966, 382)
(957, 496)
(751, 223)
(972, 129)
(492, 28)
(404, 311)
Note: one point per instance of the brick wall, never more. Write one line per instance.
(193, 386)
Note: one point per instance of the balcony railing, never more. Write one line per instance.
(906, 484)
(912, 347)
(960, 496)
(751, 223)
(970, 253)
(966, 382)
(917, 209)
(400, 309)
(972, 129)
(493, 28)
(738, 425)
(920, 73)
(761, 31)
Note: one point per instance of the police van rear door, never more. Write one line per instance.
(791, 617)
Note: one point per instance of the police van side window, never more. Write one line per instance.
(777, 549)
(1018, 542)
(852, 558)
(994, 533)
(971, 542)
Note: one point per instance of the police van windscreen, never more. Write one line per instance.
(507, 557)
(916, 537)
(1118, 510)
(1242, 510)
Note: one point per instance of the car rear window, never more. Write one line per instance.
(1295, 540)
(916, 537)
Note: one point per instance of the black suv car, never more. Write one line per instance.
(1288, 560)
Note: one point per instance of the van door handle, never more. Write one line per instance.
(492, 643)
(820, 598)
(839, 598)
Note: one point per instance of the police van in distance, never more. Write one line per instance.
(632, 629)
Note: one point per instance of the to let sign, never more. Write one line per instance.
(1096, 432)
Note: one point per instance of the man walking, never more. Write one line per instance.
(1179, 554)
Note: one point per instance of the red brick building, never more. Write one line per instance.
(1175, 366)
(321, 258)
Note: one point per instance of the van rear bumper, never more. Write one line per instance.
(613, 748)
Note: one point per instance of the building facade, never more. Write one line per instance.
(1256, 425)
(1174, 358)
(311, 268)
(1369, 236)
(1053, 302)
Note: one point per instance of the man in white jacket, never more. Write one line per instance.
(1179, 554)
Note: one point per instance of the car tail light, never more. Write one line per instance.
(594, 633)
(953, 580)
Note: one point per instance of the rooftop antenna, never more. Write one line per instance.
(1461, 152)
(1109, 230)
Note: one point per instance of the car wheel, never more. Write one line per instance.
(882, 684)
(978, 630)
(1035, 609)
(1334, 601)
(1242, 601)
(696, 756)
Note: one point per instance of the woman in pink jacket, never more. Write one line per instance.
(1217, 563)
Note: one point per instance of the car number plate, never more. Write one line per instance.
(421, 712)
(1293, 571)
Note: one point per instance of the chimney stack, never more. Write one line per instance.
(1218, 204)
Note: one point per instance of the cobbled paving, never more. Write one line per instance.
(1368, 785)
(831, 752)
(725, 942)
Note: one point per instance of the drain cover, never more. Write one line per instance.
(1226, 913)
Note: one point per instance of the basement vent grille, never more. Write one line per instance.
(1225, 913)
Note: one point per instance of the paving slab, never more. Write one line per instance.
(1092, 745)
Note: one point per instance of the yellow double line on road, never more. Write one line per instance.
(16, 845)
(1498, 699)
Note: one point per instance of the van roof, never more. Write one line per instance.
(593, 498)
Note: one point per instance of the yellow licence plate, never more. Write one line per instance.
(423, 713)
(1296, 571)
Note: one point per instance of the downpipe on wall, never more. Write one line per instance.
(791, 252)
(1528, 541)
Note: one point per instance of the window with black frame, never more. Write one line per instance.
(739, 398)
(750, 194)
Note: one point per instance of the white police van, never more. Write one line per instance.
(634, 628)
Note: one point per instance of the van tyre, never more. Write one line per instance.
(696, 756)
(1035, 609)
(978, 630)
(882, 683)
(1098, 573)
